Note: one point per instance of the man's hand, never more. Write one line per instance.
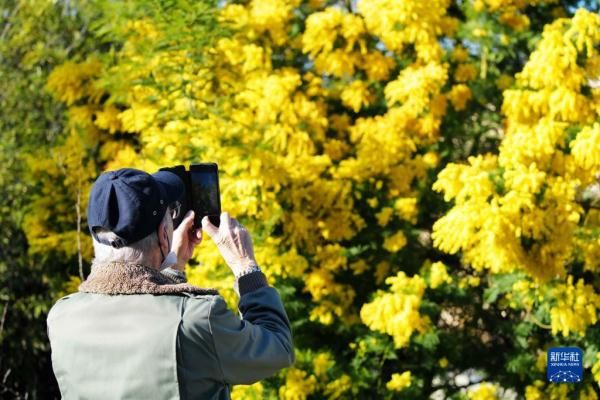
(185, 239)
(234, 243)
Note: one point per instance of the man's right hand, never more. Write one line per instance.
(234, 243)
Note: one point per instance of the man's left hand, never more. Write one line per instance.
(185, 239)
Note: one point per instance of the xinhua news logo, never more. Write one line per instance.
(565, 365)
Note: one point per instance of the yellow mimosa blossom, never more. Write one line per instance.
(243, 392)
(438, 275)
(533, 392)
(108, 119)
(576, 309)
(321, 363)
(322, 314)
(586, 147)
(326, 28)
(526, 200)
(515, 20)
(541, 360)
(483, 391)
(460, 54)
(399, 382)
(467, 281)
(271, 16)
(419, 22)
(72, 81)
(377, 65)
(331, 257)
(321, 31)
(465, 72)
(397, 312)
(539, 391)
(459, 95)
(495, 5)
(596, 369)
(298, 386)
(356, 95)
(337, 388)
(414, 85)
(138, 117)
(383, 217)
(406, 208)
(395, 242)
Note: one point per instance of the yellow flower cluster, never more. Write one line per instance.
(326, 28)
(524, 294)
(73, 81)
(539, 391)
(438, 275)
(400, 23)
(321, 363)
(494, 5)
(596, 369)
(483, 391)
(280, 116)
(244, 392)
(465, 72)
(397, 312)
(519, 209)
(316, 377)
(586, 148)
(399, 382)
(338, 388)
(297, 386)
(459, 96)
(395, 242)
(576, 307)
(50, 226)
(510, 12)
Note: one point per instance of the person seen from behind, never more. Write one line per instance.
(136, 329)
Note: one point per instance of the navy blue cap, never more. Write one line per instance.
(131, 203)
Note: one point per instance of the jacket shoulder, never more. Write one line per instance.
(63, 303)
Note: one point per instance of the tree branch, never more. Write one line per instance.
(4, 312)
(8, 24)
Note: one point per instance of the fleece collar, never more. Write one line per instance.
(126, 278)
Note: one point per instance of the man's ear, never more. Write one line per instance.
(163, 240)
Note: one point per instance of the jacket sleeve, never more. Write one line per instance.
(256, 346)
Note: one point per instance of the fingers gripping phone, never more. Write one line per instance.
(201, 192)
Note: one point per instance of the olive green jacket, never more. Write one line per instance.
(133, 333)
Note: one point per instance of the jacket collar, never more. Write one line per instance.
(128, 278)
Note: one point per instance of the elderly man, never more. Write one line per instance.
(136, 329)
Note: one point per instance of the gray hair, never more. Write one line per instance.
(134, 253)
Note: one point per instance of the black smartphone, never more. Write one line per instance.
(201, 192)
(206, 199)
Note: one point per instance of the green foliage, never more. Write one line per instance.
(35, 37)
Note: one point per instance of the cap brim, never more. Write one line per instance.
(171, 185)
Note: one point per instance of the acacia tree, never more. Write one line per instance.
(35, 36)
(49, 160)
(416, 176)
